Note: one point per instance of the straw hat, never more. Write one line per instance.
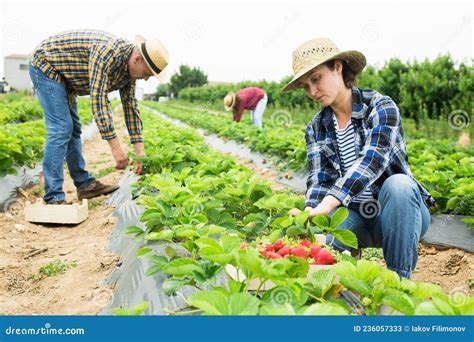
(154, 53)
(229, 101)
(318, 51)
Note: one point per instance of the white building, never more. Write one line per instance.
(16, 72)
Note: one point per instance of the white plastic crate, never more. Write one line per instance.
(62, 213)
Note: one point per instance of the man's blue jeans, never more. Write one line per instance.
(63, 140)
(395, 222)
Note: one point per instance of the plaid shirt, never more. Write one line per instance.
(93, 63)
(379, 145)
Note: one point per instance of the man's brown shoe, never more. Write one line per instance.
(95, 189)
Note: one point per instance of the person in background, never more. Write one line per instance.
(89, 62)
(252, 98)
(357, 157)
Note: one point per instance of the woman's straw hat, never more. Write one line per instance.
(318, 51)
(229, 101)
(154, 53)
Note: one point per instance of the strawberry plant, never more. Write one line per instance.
(22, 140)
(253, 258)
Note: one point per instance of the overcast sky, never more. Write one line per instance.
(234, 41)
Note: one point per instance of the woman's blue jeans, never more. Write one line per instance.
(395, 222)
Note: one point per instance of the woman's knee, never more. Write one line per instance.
(398, 186)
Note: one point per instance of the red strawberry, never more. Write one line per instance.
(298, 252)
(278, 244)
(269, 247)
(273, 255)
(314, 250)
(284, 251)
(324, 258)
(305, 243)
(264, 253)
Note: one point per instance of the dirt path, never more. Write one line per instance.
(83, 250)
(451, 268)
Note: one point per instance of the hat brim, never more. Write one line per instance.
(355, 60)
(138, 42)
(229, 108)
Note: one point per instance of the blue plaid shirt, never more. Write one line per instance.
(379, 145)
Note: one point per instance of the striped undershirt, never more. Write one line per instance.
(346, 146)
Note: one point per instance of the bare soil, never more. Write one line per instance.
(26, 247)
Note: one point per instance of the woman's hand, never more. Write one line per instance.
(319, 210)
(294, 212)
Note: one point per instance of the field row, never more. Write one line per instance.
(444, 168)
(219, 221)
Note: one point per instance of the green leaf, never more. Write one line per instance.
(133, 230)
(322, 281)
(119, 312)
(321, 221)
(212, 230)
(399, 301)
(170, 251)
(172, 286)
(215, 254)
(453, 202)
(211, 302)
(276, 310)
(182, 267)
(357, 285)
(299, 267)
(142, 251)
(166, 235)
(345, 269)
(294, 231)
(235, 286)
(326, 309)
(138, 309)
(389, 278)
(426, 290)
(230, 243)
(250, 263)
(275, 235)
(346, 237)
(158, 263)
(442, 303)
(339, 216)
(186, 232)
(427, 309)
(206, 241)
(301, 218)
(243, 304)
(367, 270)
(283, 222)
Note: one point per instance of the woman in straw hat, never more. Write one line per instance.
(252, 98)
(357, 157)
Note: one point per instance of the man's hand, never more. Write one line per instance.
(121, 158)
(139, 152)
